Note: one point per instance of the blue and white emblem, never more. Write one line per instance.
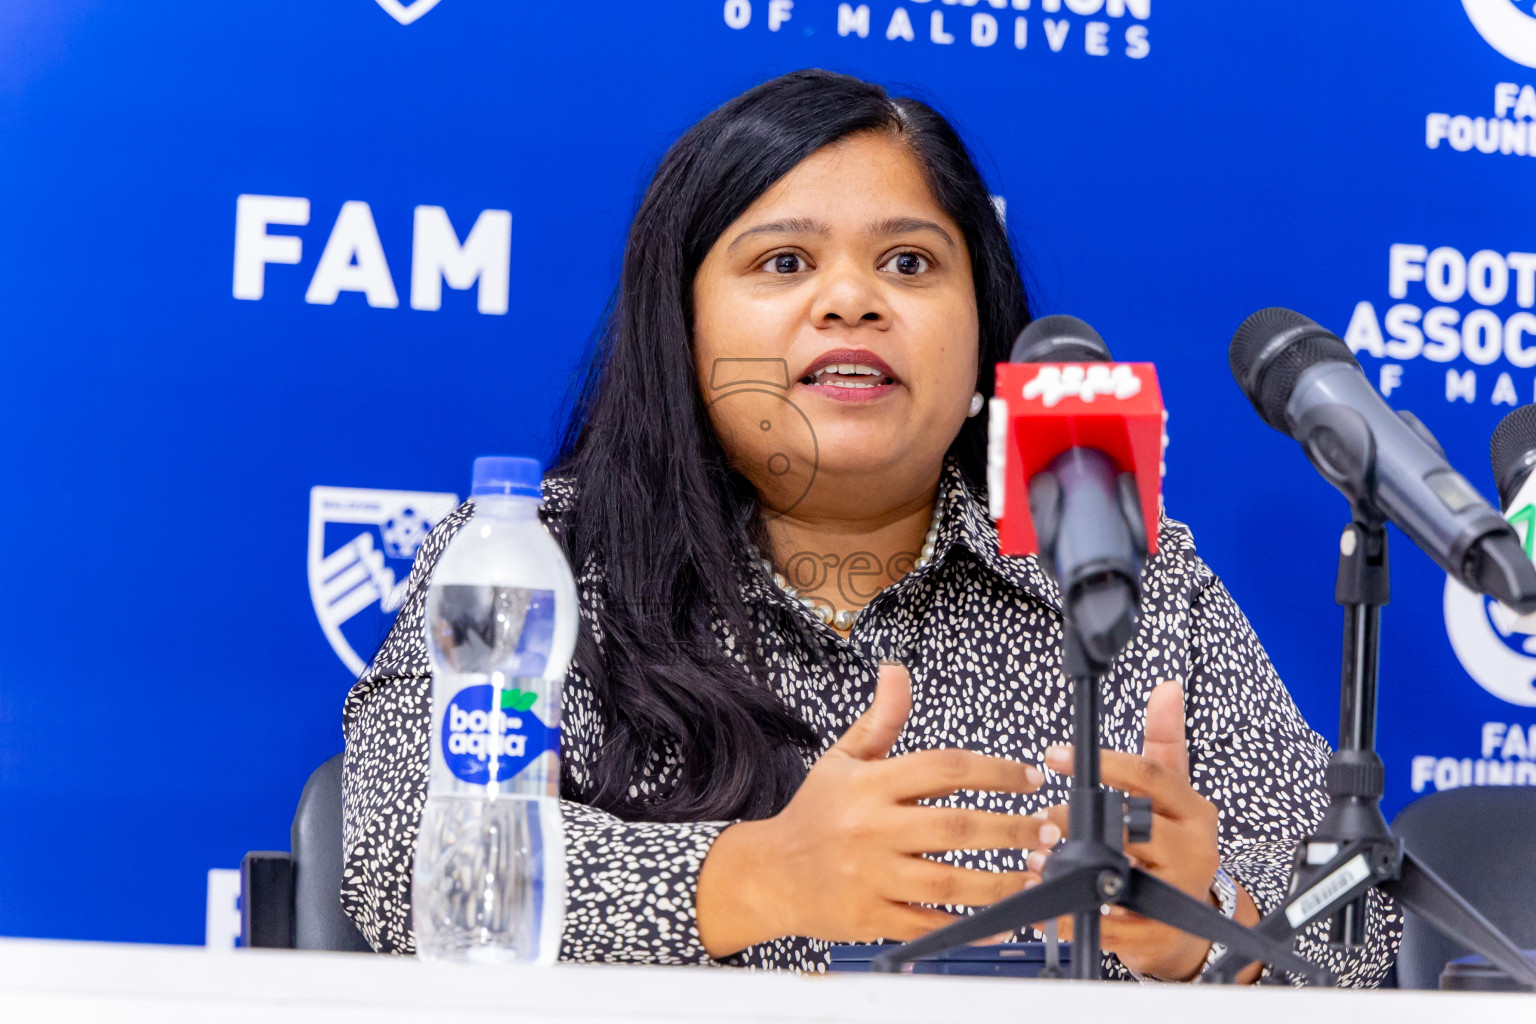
(405, 13)
(1496, 646)
(1505, 27)
(361, 545)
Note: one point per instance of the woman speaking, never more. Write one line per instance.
(811, 703)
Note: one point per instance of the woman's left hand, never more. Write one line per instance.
(1182, 850)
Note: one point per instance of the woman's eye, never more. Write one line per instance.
(783, 263)
(907, 263)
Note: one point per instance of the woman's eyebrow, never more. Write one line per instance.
(903, 225)
(782, 227)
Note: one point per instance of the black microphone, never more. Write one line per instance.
(1059, 339)
(1513, 453)
(1086, 513)
(1304, 382)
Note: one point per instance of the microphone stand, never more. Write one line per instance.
(1353, 850)
(1088, 871)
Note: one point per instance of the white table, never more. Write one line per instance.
(62, 982)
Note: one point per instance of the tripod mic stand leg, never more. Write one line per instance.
(1421, 890)
(1152, 897)
(1086, 952)
(1052, 968)
(1045, 902)
(1367, 855)
(1317, 894)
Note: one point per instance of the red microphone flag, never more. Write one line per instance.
(1040, 410)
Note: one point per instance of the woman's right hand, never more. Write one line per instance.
(844, 860)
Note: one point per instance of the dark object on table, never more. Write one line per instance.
(1009, 960)
(1474, 974)
(1482, 841)
(293, 900)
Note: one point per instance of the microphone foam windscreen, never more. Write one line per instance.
(1513, 440)
(1271, 349)
(1059, 339)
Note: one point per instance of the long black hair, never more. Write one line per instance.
(658, 508)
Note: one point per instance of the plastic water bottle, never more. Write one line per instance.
(489, 881)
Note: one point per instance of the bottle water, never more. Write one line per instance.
(489, 880)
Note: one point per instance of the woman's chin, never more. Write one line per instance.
(862, 454)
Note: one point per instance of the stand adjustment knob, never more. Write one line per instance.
(1138, 819)
(1356, 773)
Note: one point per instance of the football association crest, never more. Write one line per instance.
(1506, 27)
(405, 13)
(1494, 645)
(361, 545)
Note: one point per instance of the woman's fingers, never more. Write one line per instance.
(929, 774)
(1115, 930)
(904, 922)
(926, 881)
(939, 829)
(873, 733)
(993, 940)
(1164, 739)
(1118, 929)
(857, 826)
(1138, 941)
(1167, 834)
(1138, 775)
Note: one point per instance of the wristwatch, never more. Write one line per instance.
(1225, 891)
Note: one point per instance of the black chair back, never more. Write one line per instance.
(318, 920)
(1481, 841)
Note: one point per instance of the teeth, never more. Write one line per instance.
(848, 370)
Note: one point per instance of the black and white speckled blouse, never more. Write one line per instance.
(981, 635)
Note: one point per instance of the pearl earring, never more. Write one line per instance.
(976, 403)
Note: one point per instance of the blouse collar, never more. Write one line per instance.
(966, 523)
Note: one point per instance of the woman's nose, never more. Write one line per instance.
(849, 296)
(830, 315)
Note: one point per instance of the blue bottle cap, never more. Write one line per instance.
(507, 474)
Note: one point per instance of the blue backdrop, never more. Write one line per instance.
(210, 496)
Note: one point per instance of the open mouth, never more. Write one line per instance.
(848, 375)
